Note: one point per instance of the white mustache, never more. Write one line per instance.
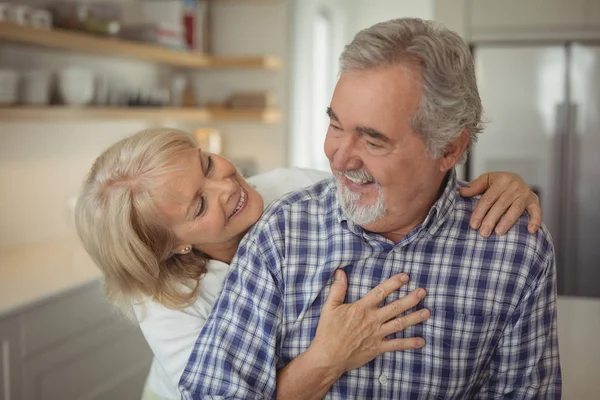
(358, 174)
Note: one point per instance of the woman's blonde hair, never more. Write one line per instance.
(119, 224)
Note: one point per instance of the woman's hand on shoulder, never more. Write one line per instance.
(505, 198)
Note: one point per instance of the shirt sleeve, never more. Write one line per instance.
(171, 335)
(526, 362)
(235, 355)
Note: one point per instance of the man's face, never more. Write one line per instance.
(386, 181)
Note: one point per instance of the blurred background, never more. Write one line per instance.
(252, 79)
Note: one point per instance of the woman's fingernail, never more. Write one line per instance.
(475, 224)
(404, 278)
(421, 293)
(425, 314)
(485, 232)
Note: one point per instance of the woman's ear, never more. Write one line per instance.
(183, 249)
(455, 150)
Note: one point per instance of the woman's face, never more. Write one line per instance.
(208, 205)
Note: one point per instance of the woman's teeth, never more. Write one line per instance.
(241, 202)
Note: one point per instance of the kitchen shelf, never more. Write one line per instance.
(210, 114)
(83, 42)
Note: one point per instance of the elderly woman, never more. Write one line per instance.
(163, 219)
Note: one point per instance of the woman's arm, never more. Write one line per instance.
(505, 198)
(349, 336)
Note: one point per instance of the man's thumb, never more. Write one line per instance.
(337, 293)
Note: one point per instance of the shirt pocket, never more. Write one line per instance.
(458, 349)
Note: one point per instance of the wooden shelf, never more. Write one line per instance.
(211, 114)
(82, 42)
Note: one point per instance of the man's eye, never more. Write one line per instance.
(337, 128)
(201, 207)
(373, 145)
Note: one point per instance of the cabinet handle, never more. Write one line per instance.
(6, 368)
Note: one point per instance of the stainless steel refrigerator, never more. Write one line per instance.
(542, 104)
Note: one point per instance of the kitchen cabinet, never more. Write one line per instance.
(517, 20)
(592, 14)
(531, 18)
(10, 362)
(73, 346)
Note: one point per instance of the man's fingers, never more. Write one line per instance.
(402, 344)
(399, 306)
(400, 324)
(381, 291)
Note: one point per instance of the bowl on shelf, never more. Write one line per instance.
(9, 86)
(76, 86)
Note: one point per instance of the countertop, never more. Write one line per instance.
(31, 273)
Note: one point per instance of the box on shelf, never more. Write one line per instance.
(251, 100)
(160, 33)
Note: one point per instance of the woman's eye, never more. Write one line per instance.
(201, 207)
(209, 164)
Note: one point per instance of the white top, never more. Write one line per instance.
(172, 334)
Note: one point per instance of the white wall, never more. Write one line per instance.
(364, 13)
(305, 147)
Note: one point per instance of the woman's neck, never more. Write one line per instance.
(221, 252)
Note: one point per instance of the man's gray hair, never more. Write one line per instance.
(450, 100)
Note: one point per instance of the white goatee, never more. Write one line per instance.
(349, 201)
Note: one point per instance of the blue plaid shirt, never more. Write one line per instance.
(492, 331)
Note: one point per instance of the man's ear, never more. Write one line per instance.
(455, 150)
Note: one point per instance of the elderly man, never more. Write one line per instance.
(404, 112)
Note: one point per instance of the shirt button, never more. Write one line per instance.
(383, 379)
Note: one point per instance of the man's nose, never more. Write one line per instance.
(346, 156)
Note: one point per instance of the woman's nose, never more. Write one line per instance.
(224, 188)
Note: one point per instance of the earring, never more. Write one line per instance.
(186, 249)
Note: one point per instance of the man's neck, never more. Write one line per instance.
(420, 213)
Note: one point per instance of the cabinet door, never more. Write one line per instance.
(592, 15)
(531, 19)
(76, 347)
(10, 365)
(109, 359)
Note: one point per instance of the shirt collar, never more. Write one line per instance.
(434, 220)
(443, 205)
